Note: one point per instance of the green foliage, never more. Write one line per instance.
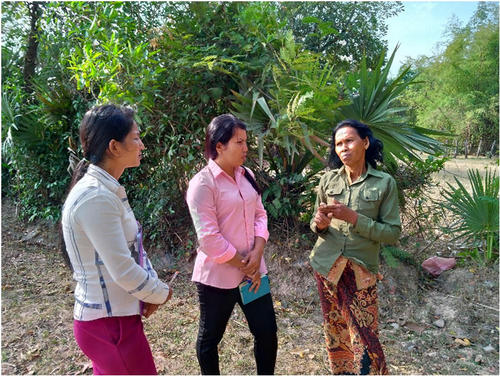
(393, 255)
(32, 162)
(343, 31)
(475, 213)
(287, 196)
(296, 109)
(414, 176)
(290, 116)
(414, 179)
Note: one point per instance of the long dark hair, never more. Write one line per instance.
(374, 151)
(221, 129)
(99, 126)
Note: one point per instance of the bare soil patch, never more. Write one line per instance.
(457, 167)
(446, 325)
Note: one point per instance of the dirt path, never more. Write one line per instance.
(37, 306)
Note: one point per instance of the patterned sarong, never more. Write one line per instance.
(351, 325)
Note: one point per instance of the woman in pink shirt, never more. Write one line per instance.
(231, 225)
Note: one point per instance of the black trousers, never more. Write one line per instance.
(216, 306)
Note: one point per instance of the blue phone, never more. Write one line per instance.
(248, 296)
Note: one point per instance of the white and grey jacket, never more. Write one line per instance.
(100, 232)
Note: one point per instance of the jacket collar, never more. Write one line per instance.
(105, 178)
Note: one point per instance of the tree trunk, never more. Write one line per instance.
(466, 148)
(479, 147)
(32, 48)
(492, 149)
(456, 148)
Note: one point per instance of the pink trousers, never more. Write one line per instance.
(115, 345)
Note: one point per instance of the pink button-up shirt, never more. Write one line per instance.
(227, 216)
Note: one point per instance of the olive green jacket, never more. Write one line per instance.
(374, 197)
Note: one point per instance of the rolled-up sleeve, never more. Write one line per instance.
(260, 225)
(201, 202)
(107, 236)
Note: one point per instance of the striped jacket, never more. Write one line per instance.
(101, 234)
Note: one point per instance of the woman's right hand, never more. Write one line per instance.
(237, 261)
(149, 308)
(322, 218)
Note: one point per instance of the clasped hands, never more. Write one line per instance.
(252, 268)
(325, 213)
(250, 265)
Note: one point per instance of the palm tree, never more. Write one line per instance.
(375, 102)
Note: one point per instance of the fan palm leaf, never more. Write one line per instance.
(21, 126)
(375, 103)
(477, 211)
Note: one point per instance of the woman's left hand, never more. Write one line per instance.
(149, 308)
(255, 282)
(343, 212)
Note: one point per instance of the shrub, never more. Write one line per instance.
(414, 181)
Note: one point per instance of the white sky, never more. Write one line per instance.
(422, 25)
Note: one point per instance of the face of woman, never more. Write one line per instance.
(233, 153)
(132, 147)
(350, 148)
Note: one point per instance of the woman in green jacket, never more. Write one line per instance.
(356, 210)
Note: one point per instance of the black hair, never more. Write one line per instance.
(374, 151)
(99, 126)
(221, 129)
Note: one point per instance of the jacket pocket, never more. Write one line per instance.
(369, 199)
(337, 193)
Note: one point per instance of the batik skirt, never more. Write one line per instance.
(351, 325)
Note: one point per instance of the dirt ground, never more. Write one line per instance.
(444, 325)
(457, 167)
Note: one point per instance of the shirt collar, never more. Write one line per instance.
(372, 171)
(369, 171)
(105, 178)
(216, 170)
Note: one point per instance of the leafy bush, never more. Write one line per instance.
(414, 178)
(34, 155)
(290, 113)
(180, 64)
